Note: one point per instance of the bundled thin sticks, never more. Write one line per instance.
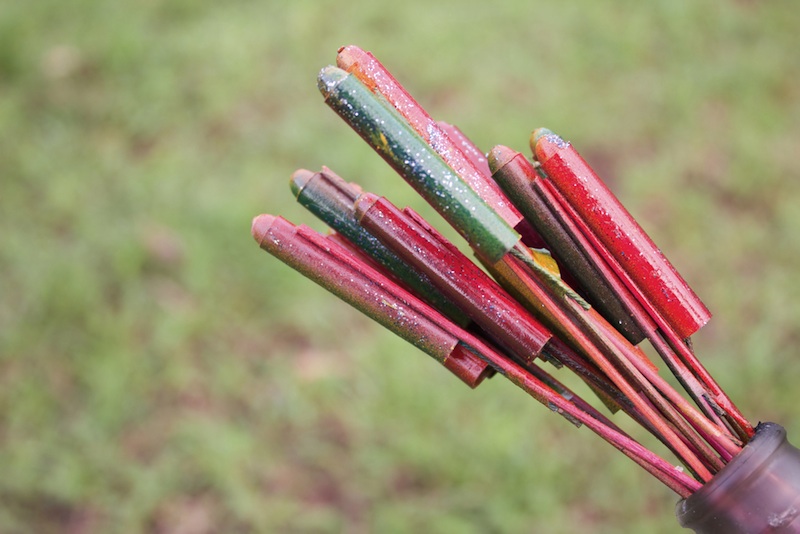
(575, 284)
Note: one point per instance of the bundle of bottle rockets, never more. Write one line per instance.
(573, 284)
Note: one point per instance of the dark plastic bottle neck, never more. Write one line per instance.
(757, 492)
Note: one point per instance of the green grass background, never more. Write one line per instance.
(159, 373)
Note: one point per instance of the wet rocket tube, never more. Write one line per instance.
(642, 261)
(388, 133)
(465, 144)
(461, 281)
(331, 199)
(344, 274)
(517, 176)
(456, 151)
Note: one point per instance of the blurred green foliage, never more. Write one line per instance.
(159, 373)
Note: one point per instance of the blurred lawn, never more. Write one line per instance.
(159, 373)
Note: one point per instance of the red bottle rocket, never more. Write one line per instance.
(644, 265)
